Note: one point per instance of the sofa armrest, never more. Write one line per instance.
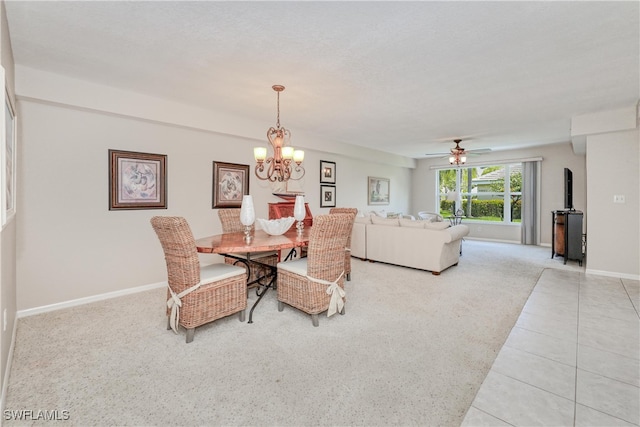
(456, 232)
(359, 240)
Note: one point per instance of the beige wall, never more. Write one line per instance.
(555, 158)
(613, 229)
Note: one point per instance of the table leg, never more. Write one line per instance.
(273, 283)
(260, 295)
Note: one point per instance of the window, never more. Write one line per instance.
(481, 193)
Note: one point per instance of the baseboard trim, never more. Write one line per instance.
(87, 300)
(613, 274)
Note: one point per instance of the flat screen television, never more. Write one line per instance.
(568, 189)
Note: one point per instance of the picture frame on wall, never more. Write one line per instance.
(378, 191)
(327, 196)
(137, 180)
(8, 160)
(230, 183)
(327, 172)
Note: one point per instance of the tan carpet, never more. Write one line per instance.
(412, 349)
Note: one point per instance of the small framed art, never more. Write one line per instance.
(230, 183)
(327, 196)
(327, 172)
(378, 191)
(137, 180)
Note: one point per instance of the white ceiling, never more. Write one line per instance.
(404, 77)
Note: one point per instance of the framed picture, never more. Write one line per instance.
(378, 191)
(8, 159)
(327, 172)
(230, 183)
(137, 180)
(327, 196)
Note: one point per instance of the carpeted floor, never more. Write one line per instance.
(412, 349)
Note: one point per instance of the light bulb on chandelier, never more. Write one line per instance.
(286, 162)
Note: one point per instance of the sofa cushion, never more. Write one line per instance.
(436, 225)
(411, 223)
(384, 221)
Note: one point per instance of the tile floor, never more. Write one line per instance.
(572, 359)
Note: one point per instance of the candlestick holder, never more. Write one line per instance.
(247, 234)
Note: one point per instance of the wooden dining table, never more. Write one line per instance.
(259, 241)
(236, 245)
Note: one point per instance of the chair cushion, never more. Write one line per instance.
(429, 216)
(214, 272)
(298, 266)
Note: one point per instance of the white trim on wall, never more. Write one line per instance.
(87, 300)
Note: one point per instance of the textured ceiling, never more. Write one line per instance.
(404, 77)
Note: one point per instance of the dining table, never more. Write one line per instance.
(241, 246)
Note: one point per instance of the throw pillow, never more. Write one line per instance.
(384, 221)
(381, 213)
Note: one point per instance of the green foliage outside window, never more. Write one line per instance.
(488, 210)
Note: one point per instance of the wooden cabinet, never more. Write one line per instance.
(285, 209)
(559, 233)
(566, 240)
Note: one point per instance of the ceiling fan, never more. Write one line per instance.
(457, 154)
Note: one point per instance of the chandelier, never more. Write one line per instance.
(458, 155)
(286, 163)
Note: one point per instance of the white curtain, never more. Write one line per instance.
(530, 218)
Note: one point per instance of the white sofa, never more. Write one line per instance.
(432, 246)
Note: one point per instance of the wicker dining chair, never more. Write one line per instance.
(230, 220)
(316, 283)
(196, 295)
(347, 255)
